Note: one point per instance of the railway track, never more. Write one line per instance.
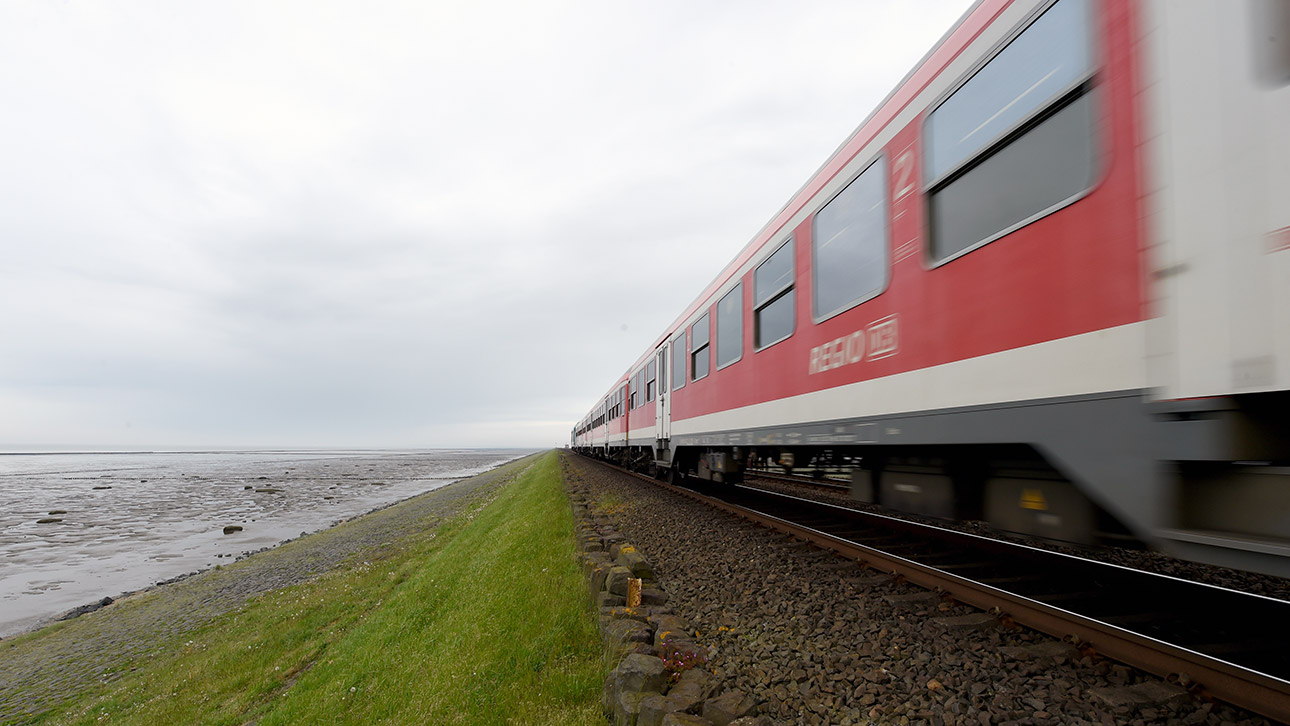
(1216, 642)
(828, 484)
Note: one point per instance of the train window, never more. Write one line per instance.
(773, 298)
(678, 361)
(849, 244)
(1270, 41)
(699, 348)
(730, 327)
(662, 372)
(1015, 142)
(650, 382)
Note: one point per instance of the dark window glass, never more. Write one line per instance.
(773, 298)
(661, 357)
(699, 333)
(650, 380)
(849, 241)
(774, 275)
(699, 348)
(678, 362)
(775, 320)
(1042, 63)
(730, 327)
(701, 362)
(1047, 166)
(1270, 41)
(1015, 141)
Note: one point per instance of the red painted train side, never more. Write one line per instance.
(1042, 362)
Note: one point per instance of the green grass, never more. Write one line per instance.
(483, 621)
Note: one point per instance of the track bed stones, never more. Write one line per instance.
(1049, 651)
(815, 639)
(728, 707)
(659, 676)
(913, 601)
(970, 622)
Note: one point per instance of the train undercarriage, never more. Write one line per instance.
(1206, 480)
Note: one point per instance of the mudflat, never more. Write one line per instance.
(50, 665)
(75, 527)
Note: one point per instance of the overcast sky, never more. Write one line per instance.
(391, 224)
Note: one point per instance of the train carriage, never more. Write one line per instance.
(1043, 285)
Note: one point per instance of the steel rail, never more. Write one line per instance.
(835, 485)
(1204, 675)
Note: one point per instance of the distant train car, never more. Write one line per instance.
(1045, 284)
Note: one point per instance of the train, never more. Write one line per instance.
(1044, 285)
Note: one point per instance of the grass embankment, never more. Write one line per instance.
(483, 620)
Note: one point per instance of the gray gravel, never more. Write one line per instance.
(822, 641)
(46, 667)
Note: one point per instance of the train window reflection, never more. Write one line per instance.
(1042, 63)
(849, 244)
(699, 348)
(1016, 141)
(1040, 170)
(773, 298)
(678, 361)
(730, 327)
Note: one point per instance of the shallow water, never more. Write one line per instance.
(131, 520)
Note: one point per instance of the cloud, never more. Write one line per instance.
(450, 223)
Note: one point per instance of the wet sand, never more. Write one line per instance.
(49, 666)
(75, 528)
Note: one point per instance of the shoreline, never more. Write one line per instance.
(94, 606)
(44, 666)
(81, 528)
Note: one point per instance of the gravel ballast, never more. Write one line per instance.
(821, 640)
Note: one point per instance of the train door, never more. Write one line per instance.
(662, 411)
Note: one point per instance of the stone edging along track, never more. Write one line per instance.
(659, 679)
(818, 639)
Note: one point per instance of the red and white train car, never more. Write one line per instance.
(1044, 284)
